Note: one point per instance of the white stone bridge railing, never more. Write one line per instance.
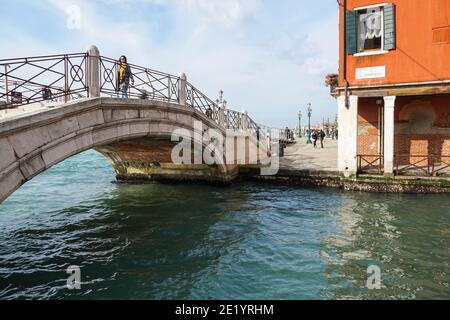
(67, 77)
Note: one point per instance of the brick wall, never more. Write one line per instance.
(368, 130)
(422, 128)
(409, 147)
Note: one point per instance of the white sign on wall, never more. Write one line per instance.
(370, 73)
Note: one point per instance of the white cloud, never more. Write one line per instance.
(268, 69)
(224, 13)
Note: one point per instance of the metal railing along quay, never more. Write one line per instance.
(407, 165)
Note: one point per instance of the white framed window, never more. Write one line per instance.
(371, 30)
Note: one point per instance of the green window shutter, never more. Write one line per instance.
(389, 27)
(352, 43)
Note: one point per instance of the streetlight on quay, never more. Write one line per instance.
(309, 141)
(328, 128)
(299, 124)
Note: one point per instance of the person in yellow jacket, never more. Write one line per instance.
(124, 76)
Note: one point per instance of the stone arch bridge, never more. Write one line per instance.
(52, 108)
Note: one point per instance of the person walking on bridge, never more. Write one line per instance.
(124, 76)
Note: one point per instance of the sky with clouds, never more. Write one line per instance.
(270, 57)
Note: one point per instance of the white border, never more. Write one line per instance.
(372, 6)
(368, 53)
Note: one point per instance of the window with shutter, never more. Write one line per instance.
(371, 29)
(389, 27)
(351, 32)
(440, 11)
(441, 21)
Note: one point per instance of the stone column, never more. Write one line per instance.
(269, 142)
(222, 121)
(182, 91)
(348, 135)
(244, 123)
(389, 107)
(93, 72)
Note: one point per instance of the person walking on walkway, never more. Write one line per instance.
(124, 76)
(322, 135)
(286, 133)
(315, 136)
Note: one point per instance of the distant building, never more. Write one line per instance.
(396, 74)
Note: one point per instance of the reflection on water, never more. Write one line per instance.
(201, 242)
(407, 236)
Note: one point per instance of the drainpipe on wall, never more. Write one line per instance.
(344, 51)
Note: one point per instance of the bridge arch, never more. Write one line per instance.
(33, 143)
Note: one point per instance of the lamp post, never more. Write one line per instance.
(336, 128)
(309, 141)
(328, 132)
(220, 98)
(299, 124)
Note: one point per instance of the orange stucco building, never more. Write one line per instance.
(394, 86)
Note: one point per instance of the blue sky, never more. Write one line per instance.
(270, 57)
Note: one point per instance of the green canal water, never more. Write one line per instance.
(247, 241)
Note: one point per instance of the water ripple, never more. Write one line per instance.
(201, 242)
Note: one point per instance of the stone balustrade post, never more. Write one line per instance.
(244, 121)
(222, 121)
(93, 72)
(182, 89)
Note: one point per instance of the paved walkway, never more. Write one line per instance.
(302, 156)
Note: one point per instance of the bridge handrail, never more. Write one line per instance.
(201, 102)
(41, 58)
(49, 72)
(35, 79)
(148, 83)
(167, 90)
